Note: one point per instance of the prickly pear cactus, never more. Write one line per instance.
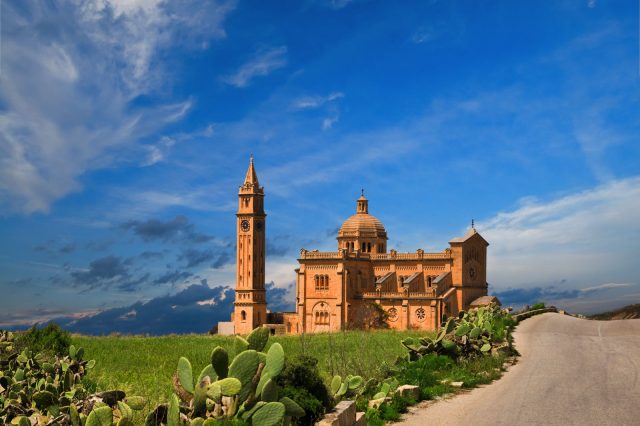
(350, 386)
(485, 330)
(243, 388)
(38, 390)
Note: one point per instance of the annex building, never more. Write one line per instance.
(345, 288)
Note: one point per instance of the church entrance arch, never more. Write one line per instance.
(321, 317)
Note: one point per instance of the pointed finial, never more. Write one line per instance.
(251, 157)
(362, 192)
(472, 224)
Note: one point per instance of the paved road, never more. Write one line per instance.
(571, 372)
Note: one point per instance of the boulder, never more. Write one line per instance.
(409, 391)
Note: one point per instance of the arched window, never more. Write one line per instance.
(243, 315)
(363, 247)
(429, 281)
(369, 247)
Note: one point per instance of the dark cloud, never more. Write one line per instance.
(195, 309)
(529, 296)
(278, 298)
(52, 247)
(109, 272)
(178, 229)
(20, 282)
(146, 255)
(222, 259)
(172, 277)
(196, 257)
(276, 250)
(132, 285)
(98, 245)
(333, 232)
(67, 248)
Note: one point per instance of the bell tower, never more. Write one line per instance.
(250, 306)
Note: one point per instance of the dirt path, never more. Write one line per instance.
(572, 371)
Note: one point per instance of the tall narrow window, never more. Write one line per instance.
(369, 247)
(243, 315)
(363, 247)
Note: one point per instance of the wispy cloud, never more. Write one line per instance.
(582, 237)
(263, 63)
(311, 102)
(69, 74)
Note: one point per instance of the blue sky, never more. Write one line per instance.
(126, 128)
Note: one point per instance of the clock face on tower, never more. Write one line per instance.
(472, 273)
(244, 225)
(259, 226)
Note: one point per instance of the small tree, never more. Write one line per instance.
(369, 316)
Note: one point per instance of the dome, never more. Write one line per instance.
(362, 223)
(365, 224)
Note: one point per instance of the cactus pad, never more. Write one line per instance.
(229, 386)
(270, 414)
(275, 360)
(258, 338)
(100, 417)
(291, 408)
(220, 362)
(185, 374)
(243, 368)
(269, 391)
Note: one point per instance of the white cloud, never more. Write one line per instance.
(421, 35)
(328, 122)
(605, 286)
(311, 102)
(263, 63)
(69, 73)
(577, 239)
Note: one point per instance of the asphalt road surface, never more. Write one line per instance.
(572, 372)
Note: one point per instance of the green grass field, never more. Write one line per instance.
(144, 365)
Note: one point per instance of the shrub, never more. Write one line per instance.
(51, 340)
(539, 305)
(314, 410)
(301, 375)
(422, 373)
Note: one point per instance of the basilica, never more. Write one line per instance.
(360, 284)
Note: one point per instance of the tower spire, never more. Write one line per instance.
(252, 177)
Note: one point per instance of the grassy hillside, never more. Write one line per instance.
(144, 365)
(628, 312)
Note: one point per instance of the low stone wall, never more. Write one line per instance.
(344, 414)
(529, 314)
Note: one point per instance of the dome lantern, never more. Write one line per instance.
(362, 231)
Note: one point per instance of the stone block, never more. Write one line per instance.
(409, 391)
(375, 403)
(343, 414)
(361, 419)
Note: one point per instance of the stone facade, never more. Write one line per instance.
(348, 288)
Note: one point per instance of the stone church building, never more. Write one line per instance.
(349, 287)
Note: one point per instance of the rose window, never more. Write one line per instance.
(393, 314)
(421, 314)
